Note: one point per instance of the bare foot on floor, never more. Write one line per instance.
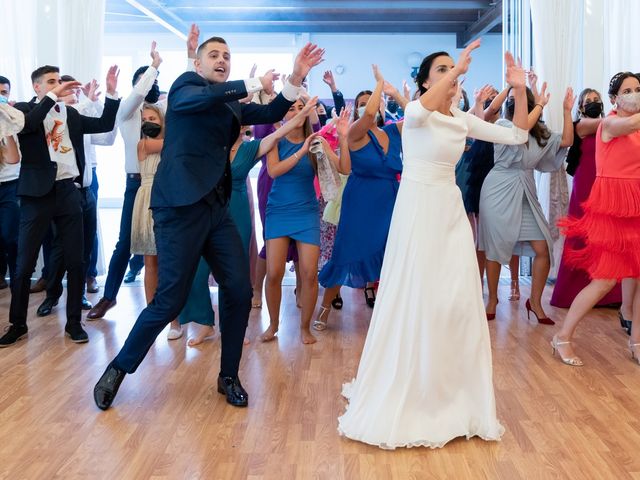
(205, 333)
(269, 334)
(307, 337)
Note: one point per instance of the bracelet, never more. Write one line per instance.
(295, 155)
(539, 105)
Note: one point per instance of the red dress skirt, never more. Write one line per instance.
(609, 230)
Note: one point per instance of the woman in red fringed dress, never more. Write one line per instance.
(610, 226)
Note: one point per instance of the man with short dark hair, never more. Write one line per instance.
(189, 201)
(53, 163)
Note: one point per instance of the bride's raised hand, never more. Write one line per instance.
(462, 66)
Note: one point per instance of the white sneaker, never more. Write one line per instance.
(175, 333)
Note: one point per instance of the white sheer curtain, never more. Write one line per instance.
(622, 36)
(557, 39)
(66, 33)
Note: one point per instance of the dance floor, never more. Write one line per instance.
(168, 420)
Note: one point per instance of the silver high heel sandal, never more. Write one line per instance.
(573, 361)
(320, 323)
(632, 349)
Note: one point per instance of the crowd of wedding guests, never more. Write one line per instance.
(329, 176)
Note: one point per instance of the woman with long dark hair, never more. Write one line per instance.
(511, 220)
(425, 376)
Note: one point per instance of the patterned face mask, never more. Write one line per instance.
(629, 102)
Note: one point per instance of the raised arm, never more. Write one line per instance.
(361, 126)
(516, 78)
(34, 117)
(496, 103)
(567, 127)
(134, 101)
(106, 122)
(614, 126)
(394, 93)
(338, 98)
(343, 122)
(492, 133)
(270, 141)
(277, 167)
(587, 126)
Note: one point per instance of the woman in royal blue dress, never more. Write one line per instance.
(292, 214)
(367, 201)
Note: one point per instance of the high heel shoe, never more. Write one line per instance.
(544, 320)
(626, 324)
(515, 291)
(337, 302)
(492, 316)
(320, 323)
(573, 361)
(371, 299)
(632, 349)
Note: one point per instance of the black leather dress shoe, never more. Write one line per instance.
(12, 335)
(86, 304)
(46, 307)
(107, 387)
(231, 387)
(76, 333)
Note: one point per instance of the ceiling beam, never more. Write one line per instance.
(161, 15)
(333, 4)
(485, 23)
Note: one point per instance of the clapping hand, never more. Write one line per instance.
(569, 99)
(193, 40)
(377, 74)
(267, 81)
(462, 66)
(156, 60)
(112, 79)
(516, 76)
(406, 90)
(343, 121)
(329, 80)
(90, 90)
(307, 58)
(481, 95)
(252, 72)
(66, 88)
(541, 96)
(533, 79)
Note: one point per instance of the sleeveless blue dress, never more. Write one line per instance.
(367, 206)
(292, 206)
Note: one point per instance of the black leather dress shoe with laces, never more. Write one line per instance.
(12, 335)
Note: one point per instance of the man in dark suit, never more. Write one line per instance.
(189, 201)
(51, 172)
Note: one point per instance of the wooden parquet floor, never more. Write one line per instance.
(168, 421)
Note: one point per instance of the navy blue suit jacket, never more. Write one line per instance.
(202, 123)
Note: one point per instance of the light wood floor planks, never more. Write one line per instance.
(168, 421)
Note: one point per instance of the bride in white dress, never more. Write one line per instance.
(425, 376)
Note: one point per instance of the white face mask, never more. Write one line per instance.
(629, 102)
(361, 113)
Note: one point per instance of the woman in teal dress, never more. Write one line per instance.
(243, 157)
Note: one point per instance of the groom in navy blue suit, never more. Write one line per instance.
(189, 201)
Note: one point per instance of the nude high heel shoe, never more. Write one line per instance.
(320, 323)
(573, 361)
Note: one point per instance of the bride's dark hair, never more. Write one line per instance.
(539, 131)
(425, 67)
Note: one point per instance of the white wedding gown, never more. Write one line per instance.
(425, 376)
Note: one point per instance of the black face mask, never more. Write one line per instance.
(153, 95)
(392, 106)
(511, 106)
(322, 118)
(151, 129)
(487, 103)
(593, 109)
